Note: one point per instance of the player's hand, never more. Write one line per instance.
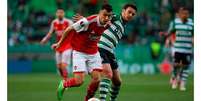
(55, 46)
(77, 17)
(44, 41)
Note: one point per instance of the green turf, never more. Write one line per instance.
(42, 87)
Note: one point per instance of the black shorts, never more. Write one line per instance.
(108, 57)
(184, 57)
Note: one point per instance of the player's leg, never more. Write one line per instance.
(116, 85)
(65, 61)
(76, 81)
(116, 79)
(95, 68)
(94, 84)
(105, 81)
(61, 65)
(176, 70)
(106, 74)
(79, 69)
(185, 71)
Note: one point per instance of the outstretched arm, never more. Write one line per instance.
(48, 36)
(64, 35)
(79, 26)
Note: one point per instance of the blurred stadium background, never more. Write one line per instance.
(32, 73)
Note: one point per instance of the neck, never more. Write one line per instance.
(60, 19)
(184, 20)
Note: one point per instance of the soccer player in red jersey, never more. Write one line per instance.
(63, 53)
(86, 58)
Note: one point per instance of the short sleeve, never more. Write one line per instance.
(81, 25)
(51, 30)
(171, 28)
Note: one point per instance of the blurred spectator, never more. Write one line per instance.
(33, 23)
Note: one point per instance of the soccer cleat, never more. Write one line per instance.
(60, 91)
(182, 86)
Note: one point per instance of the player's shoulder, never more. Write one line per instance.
(177, 20)
(55, 21)
(69, 21)
(92, 18)
(115, 17)
(190, 20)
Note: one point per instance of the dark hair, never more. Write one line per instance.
(107, 7)
(183, 8)
(130, 5)
(60, 8)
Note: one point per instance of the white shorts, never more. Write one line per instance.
(64, 57)
(85, 62)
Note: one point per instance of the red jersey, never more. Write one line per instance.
(59, 26)
(88, 33)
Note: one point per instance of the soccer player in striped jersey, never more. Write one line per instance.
(183, 47)
(107, 44)
(62, 54)
(86, 58)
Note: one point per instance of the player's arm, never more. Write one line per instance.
(79, 26)
(64, 35)
(170, 31)
(48, 35)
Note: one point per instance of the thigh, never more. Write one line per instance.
(58, 58)
(186, 59)
(113, 62)
(96, 75)
(79, 62)
(104, 56)
(94, 62)
(177, 58)
(107, 70)
(67, 56)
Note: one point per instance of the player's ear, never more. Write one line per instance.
(123, 10)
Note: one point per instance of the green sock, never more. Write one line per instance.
(104, 88)
(114, 92)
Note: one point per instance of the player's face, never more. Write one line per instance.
(128, 13)
(60, 14)
(183, 14)
(104, 16)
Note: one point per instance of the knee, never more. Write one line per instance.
(96, 79)
(63, 65)
(108, 74)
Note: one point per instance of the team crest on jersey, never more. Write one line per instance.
(75, 67)
(82, 24)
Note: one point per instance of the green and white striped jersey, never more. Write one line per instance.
(184, 35)
(111, 36)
